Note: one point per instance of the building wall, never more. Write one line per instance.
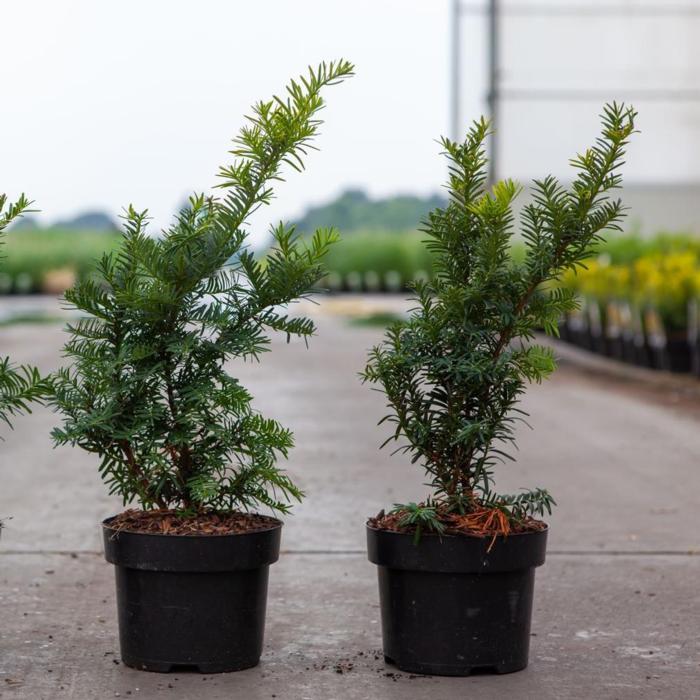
(560, 61)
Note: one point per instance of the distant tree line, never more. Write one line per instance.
(94, 221)
(354, 210)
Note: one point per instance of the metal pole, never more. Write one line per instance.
(455, 127)
(492, 95)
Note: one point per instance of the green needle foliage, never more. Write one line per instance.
(19, 385)
(453, 373)
(148, 390)
(418, 516)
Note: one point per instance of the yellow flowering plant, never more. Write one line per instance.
(664, 281)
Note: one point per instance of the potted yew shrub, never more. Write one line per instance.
(149, 393)
(20, 385)
(456, 572)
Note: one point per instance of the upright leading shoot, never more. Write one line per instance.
(148, 391)
(454, 372)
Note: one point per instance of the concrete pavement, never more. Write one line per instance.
(617, 603)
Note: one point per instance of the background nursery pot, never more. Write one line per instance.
(449, 606)
(193, 601)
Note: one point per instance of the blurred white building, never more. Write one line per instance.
(558, 61)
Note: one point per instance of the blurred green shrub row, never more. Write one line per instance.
(46, 260)
(662, 271)
(377, 261)
(50, 260)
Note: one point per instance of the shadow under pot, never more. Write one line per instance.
(192, 602)
(449, 606)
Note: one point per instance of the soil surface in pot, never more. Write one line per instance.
(480, 522)
(172, 522)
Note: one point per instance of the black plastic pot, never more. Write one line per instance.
(191, 602)
(679, 353)
(578, 333)
(614, 347)
(449, 606)
(644, 356)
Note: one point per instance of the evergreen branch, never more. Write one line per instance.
(148, 391)
(19, 386)
(453, 373)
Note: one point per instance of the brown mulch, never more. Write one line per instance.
(171, 522)
(482, 522)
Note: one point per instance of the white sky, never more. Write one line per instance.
(134, 101)
(107, 103)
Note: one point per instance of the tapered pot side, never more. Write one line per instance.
(450, 606)
(191, 601)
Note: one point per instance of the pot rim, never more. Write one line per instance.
(460, 536)
(191, 553)
(106, 526)
(456, 553)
